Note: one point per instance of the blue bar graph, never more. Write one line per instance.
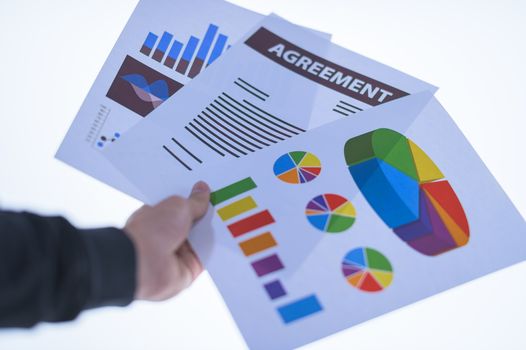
(188, 53)
(162, 46)
(165, 47)
(149, 43)
(203, 51)
(299, 309)
(177, 46)
(218, 48)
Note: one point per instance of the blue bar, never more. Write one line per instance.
(150, 41)
(218, 48)
(207, 42)
(165, 41)
(190, 48)
(175, 50)
(300, 308)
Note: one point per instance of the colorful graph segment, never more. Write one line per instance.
(367, 269)
(330, 213)
(408, 191)
(297, 167)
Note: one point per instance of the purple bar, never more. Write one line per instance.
(267, 265)
(275, 289)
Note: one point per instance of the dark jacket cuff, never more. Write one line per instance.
(112, 267)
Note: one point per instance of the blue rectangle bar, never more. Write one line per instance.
(150, 41)
(299, 309)
(218, 48)
(177, 46)
(165, 42)
(190, 48)
(207, 41)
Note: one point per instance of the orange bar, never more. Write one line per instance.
(257, 244)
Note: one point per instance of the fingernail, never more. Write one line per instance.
(199, 187)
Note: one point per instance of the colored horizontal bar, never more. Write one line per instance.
(267, 265)
(299, 309)
(207, 42)
(258, 243)
(162, 46)
(251, 223)
(275, 289)
(218, 48)
(232, 190)
(237, 208)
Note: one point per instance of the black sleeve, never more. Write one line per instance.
(51, 271)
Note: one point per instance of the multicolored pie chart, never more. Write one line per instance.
(297, 167)
(367, 269)
(330, 213)
(408, 191)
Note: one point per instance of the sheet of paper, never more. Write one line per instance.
(263, 91)
(163, 46)
(349, 221)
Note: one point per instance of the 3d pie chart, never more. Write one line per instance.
(408, 191)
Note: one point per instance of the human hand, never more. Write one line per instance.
(166, 263)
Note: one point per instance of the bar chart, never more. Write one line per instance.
(186, 58)
(250, 228)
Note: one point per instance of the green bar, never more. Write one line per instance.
(232, 190)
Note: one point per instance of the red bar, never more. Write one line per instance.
(251, 223)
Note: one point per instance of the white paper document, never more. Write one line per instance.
(273, 85)
(165, 44)
(347, 221)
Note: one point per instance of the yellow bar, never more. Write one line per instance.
(257, 244)
(236, 208)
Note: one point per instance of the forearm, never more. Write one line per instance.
(51, 271)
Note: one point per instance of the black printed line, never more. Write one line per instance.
(222, 132)
(187, 151)
(262, 117)
(213, 141)
(236, 128)
(272, 116)
(345, 109)
(350, 105)
(176, 158)
(252, 124)
(253, 87)
(249, 91)
(255, 119)
(203, 141)
(219, 138)
(244, 126)
(337, 111)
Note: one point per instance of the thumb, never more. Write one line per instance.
(199, 199)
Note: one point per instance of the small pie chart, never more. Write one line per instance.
(330, 213)
(367, 269)
(297, 167)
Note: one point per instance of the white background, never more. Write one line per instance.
(51, 51)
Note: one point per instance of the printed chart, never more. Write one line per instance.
(367, 269)
(170, 53)
(297, 167)
(330, 213)
(408, 191)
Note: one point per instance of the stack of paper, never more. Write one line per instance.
(342, 188)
